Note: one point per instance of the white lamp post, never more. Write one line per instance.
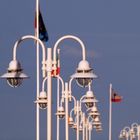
(89, 98)
(83, 76)
(132, 132)
(90, 101)
(126, 133)
(15, 75)
(136, 130)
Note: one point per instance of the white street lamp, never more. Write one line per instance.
(94, 112)
(15, 75)
(126, 133)
(89, 98)
(84, 76)
(61, 112)
(132, 132)
(83, 73)
(135, 128)
(97, 123)
(42, 98)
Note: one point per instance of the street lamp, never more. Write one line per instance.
(61, 112)
(14, 75)
(94, 112)
(131, 132)
(42, 98)
(97, 123)
(84, 76)
(82, 125)
(84, 73)
(89, 98)
(126, 133)
(136, 130)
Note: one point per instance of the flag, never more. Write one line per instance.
(43, 35)
(115, 97)
(57, 71)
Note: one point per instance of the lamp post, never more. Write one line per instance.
(85, 124)
(133, 131)
(84, 76)
(136, 129)
(126, 133)
(15, 75)
(94, 122)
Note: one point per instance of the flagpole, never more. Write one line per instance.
(58, 93)
(110, 112)
(37, 61)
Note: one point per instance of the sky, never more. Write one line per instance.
(111, 33)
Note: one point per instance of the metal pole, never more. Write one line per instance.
(130, 136)
(77, 120)
(86, 130)
(66, 108)
(83, 126)
(58, 85)
(37, 61)
(90, 131)
(127, 138)
(38, 71)
(110, 112)
(49, 91)
(138, 132)
(58, 93)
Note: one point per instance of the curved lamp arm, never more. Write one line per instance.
(43, 83)
(62, 82)
(70, 82)
(74, 100)
(134, 125)
(71, 111)
(45, 79)
(69, 37)
(63, 89)
(81, 101)
(122, 134)
(126, 128)
(29, 37)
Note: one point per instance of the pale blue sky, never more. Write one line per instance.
(111, 32)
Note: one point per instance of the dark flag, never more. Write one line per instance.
(43, 35)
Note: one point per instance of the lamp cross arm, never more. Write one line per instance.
(30, 37)
(69, 37)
